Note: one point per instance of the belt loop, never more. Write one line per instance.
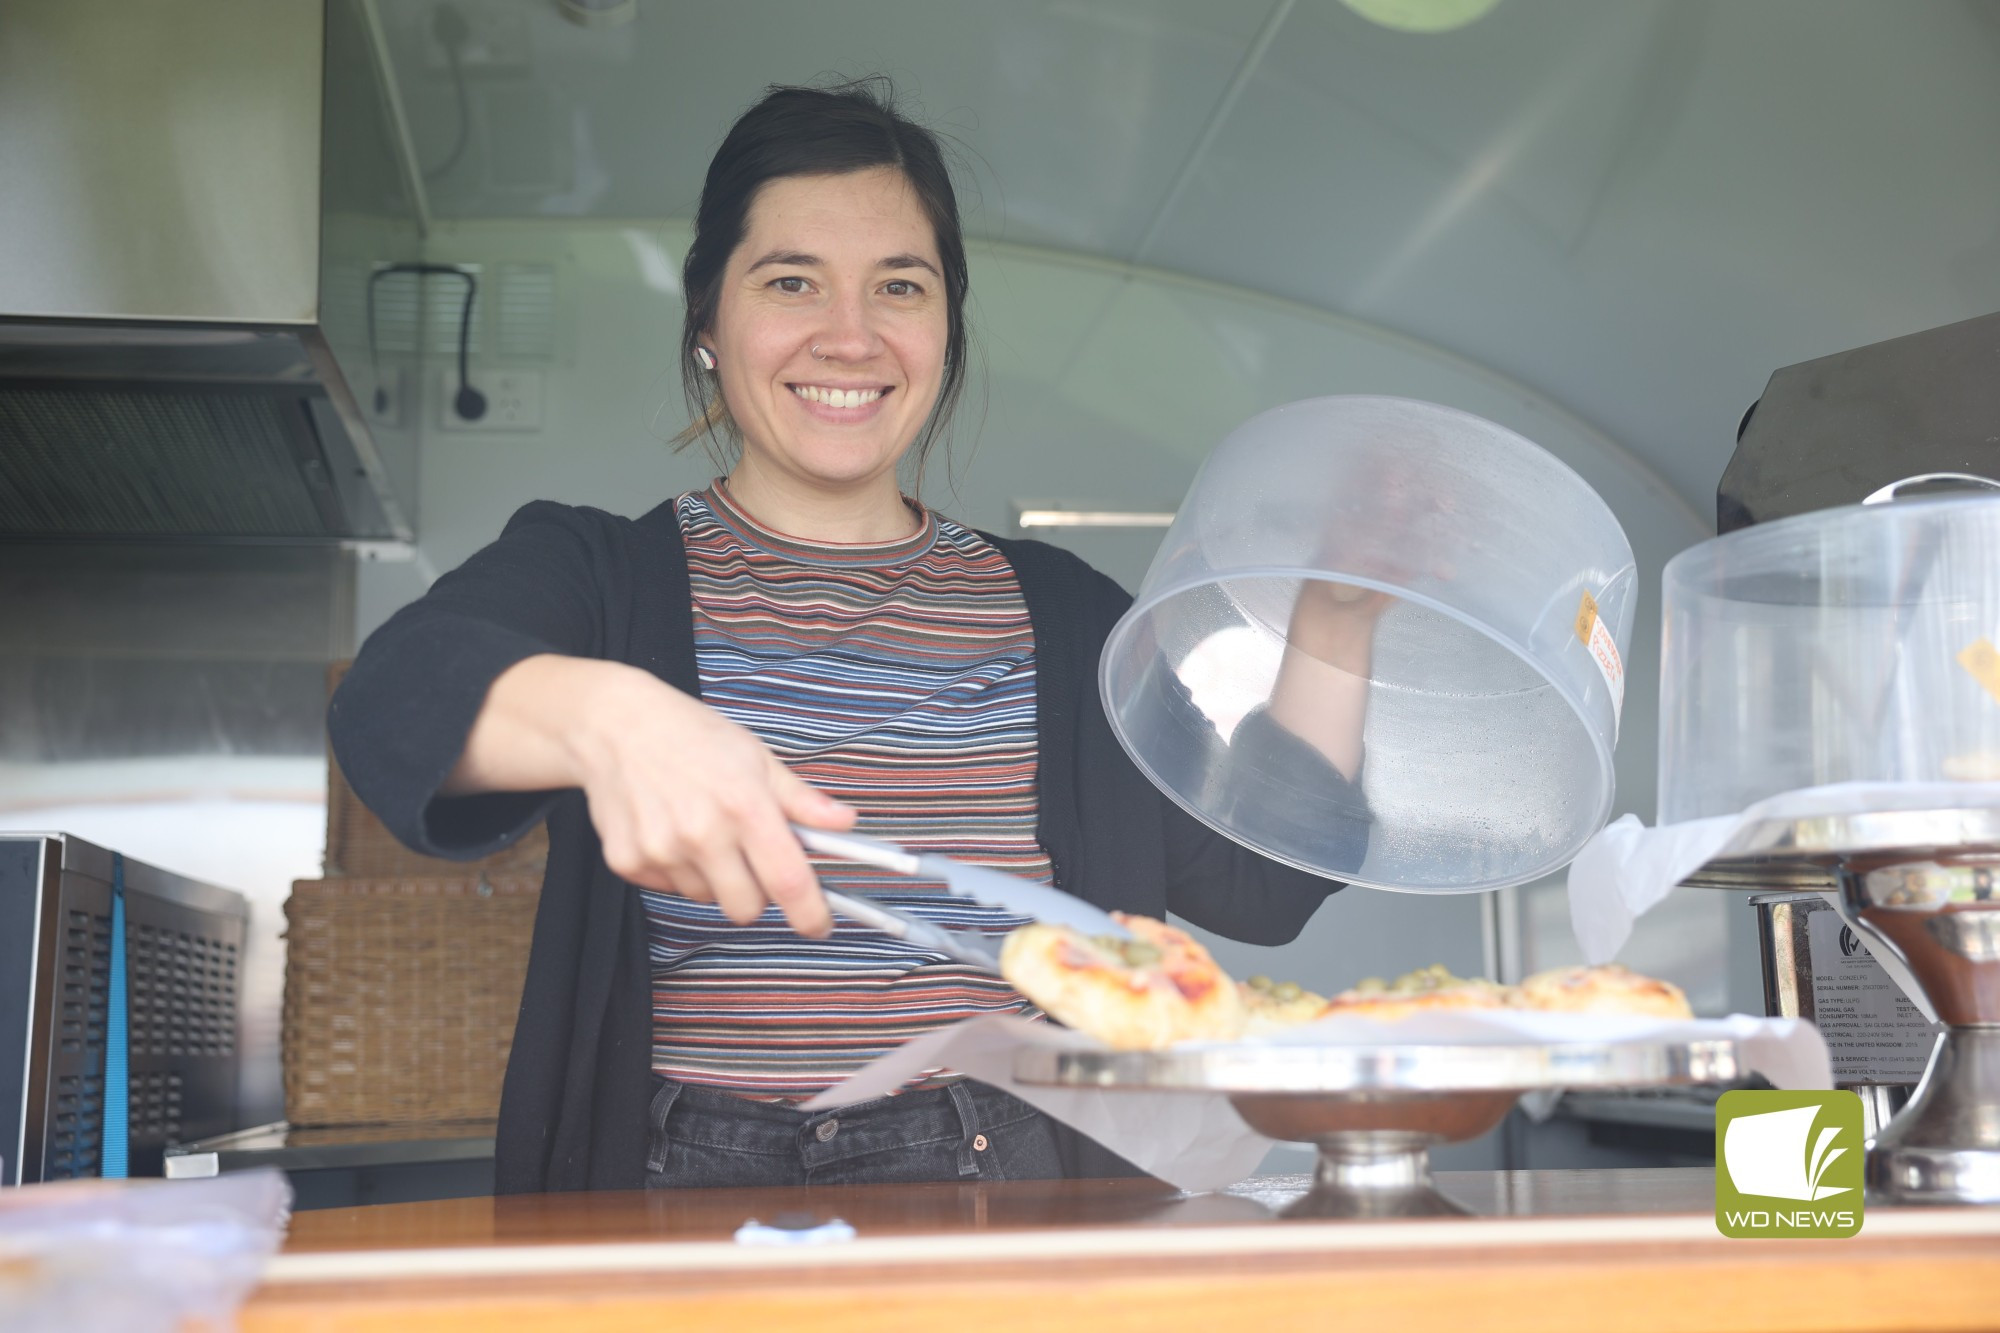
(656, 1117)
(968, 1119)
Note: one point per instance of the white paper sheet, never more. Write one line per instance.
(1191, 1140)
(1196, 1140)
(1627, 869)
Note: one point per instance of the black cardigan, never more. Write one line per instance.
(585, 583)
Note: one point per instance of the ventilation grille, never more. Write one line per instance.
(139, 463)
(180, 1026)
(524, 305)
(444, 310)
(182, 993)
(154, 1108)
(407, 304)
(77, 1128)
(513, 312)
(86, 982)
(396, 312)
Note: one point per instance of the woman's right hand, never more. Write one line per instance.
(684, 800)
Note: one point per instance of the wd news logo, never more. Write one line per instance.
(1788, 1164)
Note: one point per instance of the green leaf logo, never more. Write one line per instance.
(1788, 1164)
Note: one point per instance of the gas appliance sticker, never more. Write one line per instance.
(1982, 662)
(1873, 1033)
(1592, 632)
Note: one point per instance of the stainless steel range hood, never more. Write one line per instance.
(177, 178)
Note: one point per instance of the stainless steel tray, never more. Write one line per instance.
(1334, 1071)
(1803, 854)
(1374, 1112)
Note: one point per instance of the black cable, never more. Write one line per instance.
(469, 403)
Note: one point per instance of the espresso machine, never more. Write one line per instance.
(1842, 638)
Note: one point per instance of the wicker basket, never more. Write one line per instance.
(357, 843)
(401, 994)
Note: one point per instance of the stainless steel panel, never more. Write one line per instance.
(173, 148)
(123, 652)
(1784, 945)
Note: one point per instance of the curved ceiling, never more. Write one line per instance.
(1640, 209)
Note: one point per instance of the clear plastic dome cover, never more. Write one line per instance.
(1848, 645)
(1494, 683)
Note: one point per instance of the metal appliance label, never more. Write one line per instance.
(1873, 1033)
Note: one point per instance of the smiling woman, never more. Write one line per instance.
(830, 344)
(799, 643)
(827, 272)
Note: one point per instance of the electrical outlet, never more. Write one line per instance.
(513, 400)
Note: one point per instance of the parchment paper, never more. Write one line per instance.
(1627, 869)
(1196, 1141)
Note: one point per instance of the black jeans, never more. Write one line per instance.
(701, 1138)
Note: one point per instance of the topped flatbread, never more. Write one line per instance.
(1610, 989)
(1155, 989)
(1272, 1006)
(1426, 990)
(1161, 987)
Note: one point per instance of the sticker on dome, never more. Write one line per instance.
(1595, 635)
(1982, 662)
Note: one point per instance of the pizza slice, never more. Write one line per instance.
(1152, 990)
(1610, 989)
(1426, 990)
(1272, 1006)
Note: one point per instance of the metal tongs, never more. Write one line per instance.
(1020, 896)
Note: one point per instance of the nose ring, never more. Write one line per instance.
(816, 355)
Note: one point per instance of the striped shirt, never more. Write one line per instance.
(898, 677)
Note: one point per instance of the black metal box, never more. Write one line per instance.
(184, 944)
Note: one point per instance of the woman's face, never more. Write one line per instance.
(846, 264)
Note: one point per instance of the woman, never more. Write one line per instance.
(798, 643)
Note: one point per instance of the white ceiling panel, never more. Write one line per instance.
(1641, 210)
(1074, 117)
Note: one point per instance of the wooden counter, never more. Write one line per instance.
(1555, 1249)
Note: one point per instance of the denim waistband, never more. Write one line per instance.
(710, 1118)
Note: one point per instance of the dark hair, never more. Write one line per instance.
(817, 132)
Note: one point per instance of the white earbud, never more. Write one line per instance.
(706, 357)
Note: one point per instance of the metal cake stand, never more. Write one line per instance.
(1374, 1112)
(1806, 854)
(1944, 1146)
